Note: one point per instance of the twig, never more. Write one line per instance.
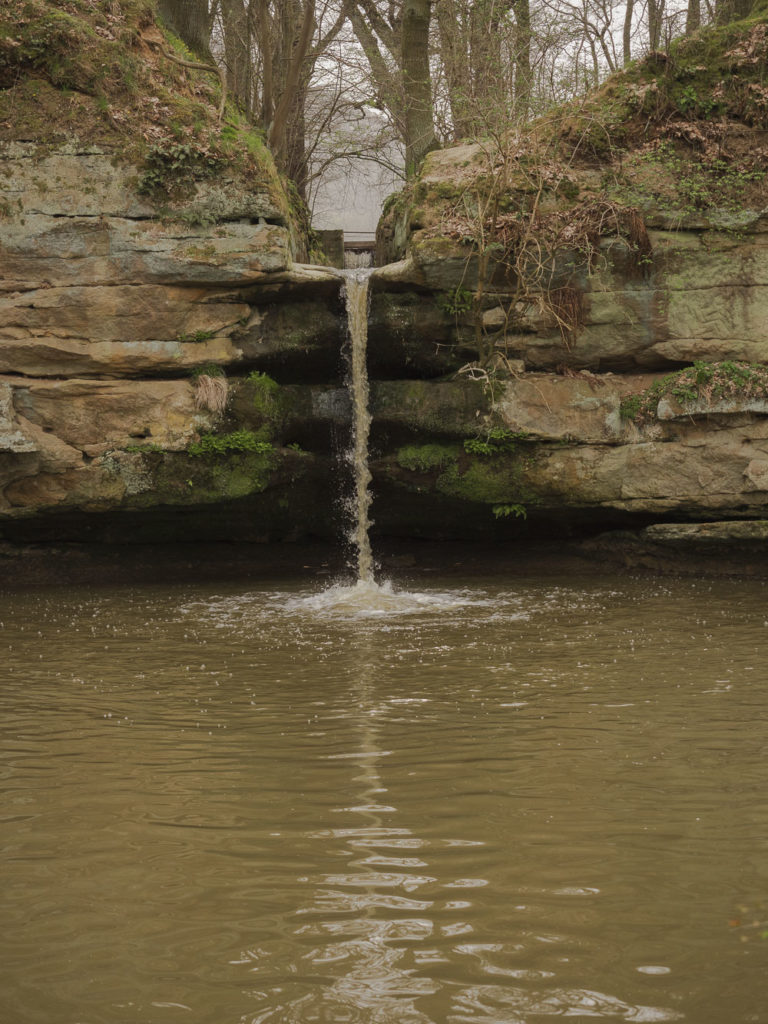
(197, 66)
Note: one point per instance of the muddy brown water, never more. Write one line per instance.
(476, 802)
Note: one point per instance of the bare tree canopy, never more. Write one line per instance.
(304, 71)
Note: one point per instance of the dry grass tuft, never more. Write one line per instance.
(211, 393)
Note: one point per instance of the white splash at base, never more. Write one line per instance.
(368, 599)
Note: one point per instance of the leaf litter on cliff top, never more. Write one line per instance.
(682, 131)
(100, 72)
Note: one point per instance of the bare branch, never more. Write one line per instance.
(214, 70)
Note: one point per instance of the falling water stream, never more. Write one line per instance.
(356, 293)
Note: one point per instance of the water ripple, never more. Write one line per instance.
(449, 804)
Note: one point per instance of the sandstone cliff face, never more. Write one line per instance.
(146, 248)
(107, 307)
(583, 265)
(509, 398)
(562, 454)
(141, 242)
(702, 295)
(94, 282)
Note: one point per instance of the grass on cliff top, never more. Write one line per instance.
(684, 132)
(716, 74)
(709, 383)
(95, 70)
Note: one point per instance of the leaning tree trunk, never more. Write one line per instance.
(294, 156)
(417, 83)
(191, 21)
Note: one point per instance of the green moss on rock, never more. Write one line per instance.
(494, 482)
(263, 404)
(449, 470)
(707, 383)
(222, 445)
(425, 457)
(184, 479)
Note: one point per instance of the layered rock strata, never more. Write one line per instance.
(169, 372)
(112, 313)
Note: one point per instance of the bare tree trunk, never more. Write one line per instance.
(283, 48)
(595, 61)
(294, 158)
(692, 16)
(523, 78)
(289, 99)
(655, 19)
(626, 36)
(488, 82)
(191, 21)
(237, 51)
(417, 83)
(388, 86)
(732, 10)
(453, 56)
(482, 59)
(264, 37)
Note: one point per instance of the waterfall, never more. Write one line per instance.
(356, 295)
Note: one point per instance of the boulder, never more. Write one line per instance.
(12, 438)
(96, 416)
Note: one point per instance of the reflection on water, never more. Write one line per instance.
(358, 949)
(385, 805)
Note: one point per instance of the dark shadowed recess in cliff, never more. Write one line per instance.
(175, 545)
(266, 519)
(299, 338)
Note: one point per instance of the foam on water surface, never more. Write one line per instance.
(368, 599)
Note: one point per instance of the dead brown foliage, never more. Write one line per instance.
(211, 393)
(567, 307)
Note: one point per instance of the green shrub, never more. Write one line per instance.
(263, 382)
(423, 457)
(458, 300)
(171, 168)
(496, 441)
(503, 511)
(219, 445)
